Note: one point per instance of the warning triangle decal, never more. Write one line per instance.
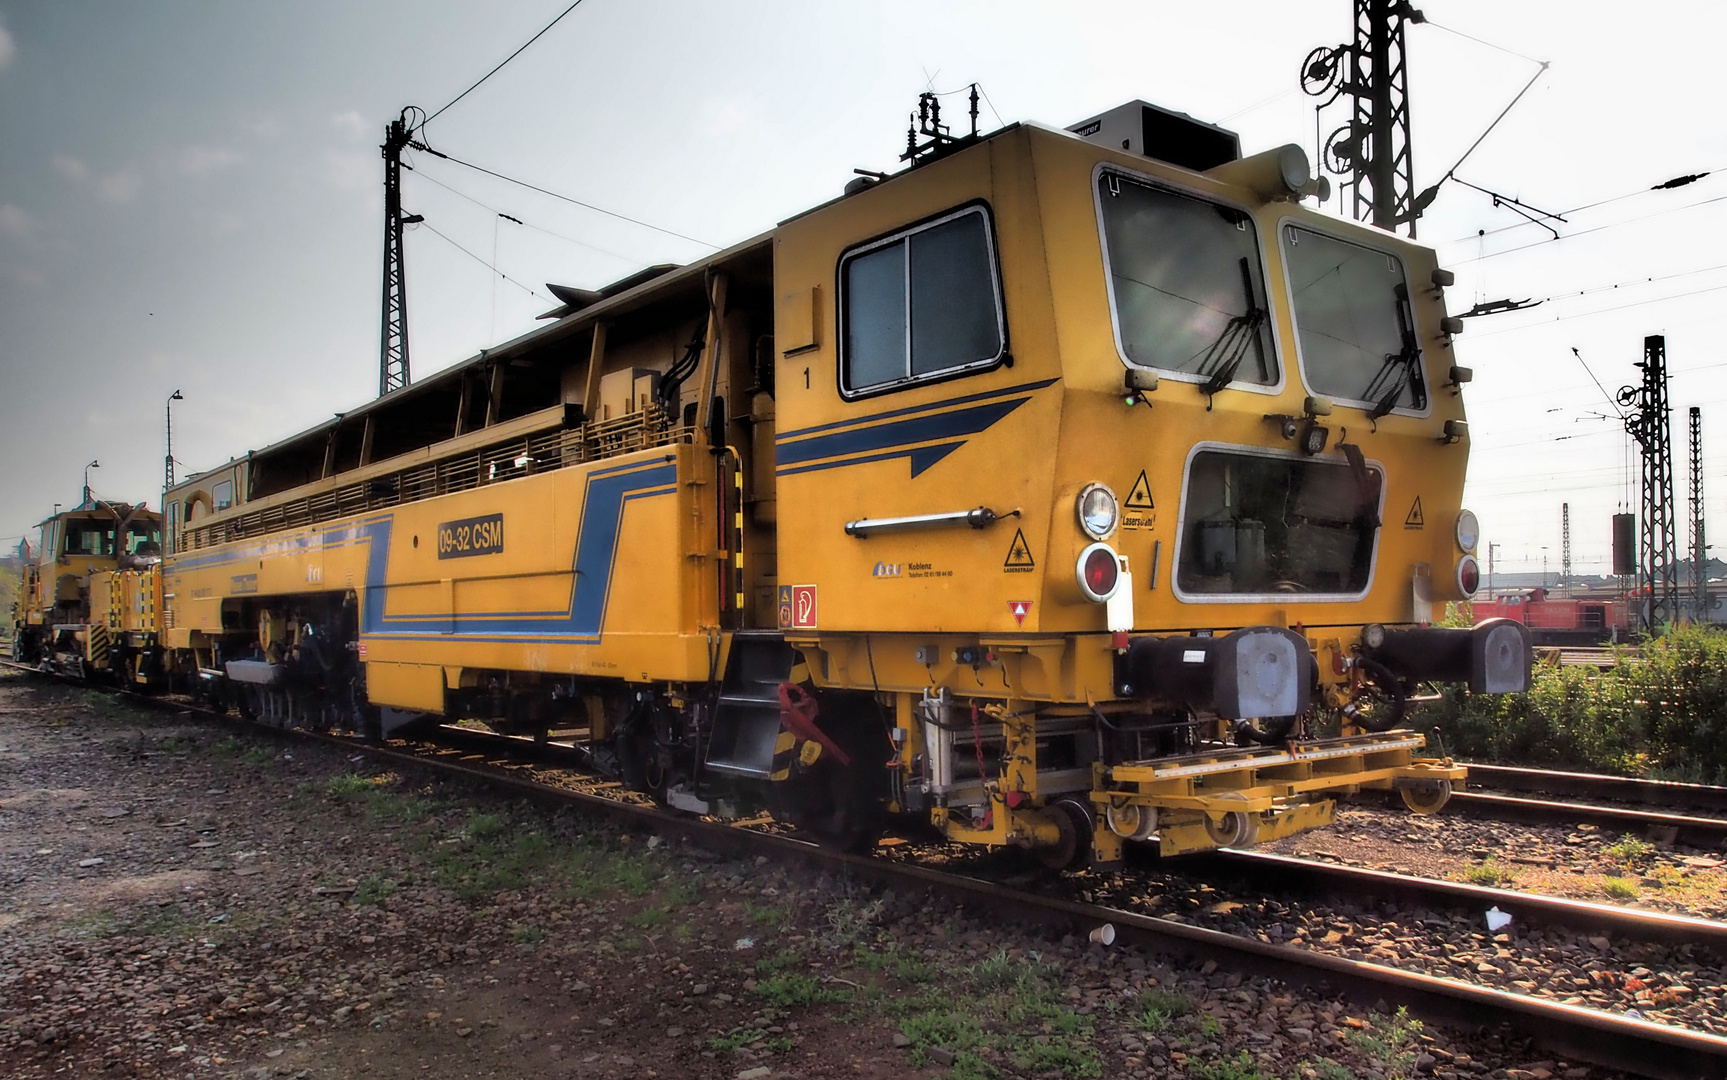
(1140, 497)
(1018, 554)
(1020, 609)
(1415, 520)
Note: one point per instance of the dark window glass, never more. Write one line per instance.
(875, 317)
(89, 538)
(223, 495)
(1351, 317)
(143, 539)
(953, 319)
(922, 304)
(1254, 524)
(1185, 275)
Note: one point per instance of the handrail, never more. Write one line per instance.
(980, 518)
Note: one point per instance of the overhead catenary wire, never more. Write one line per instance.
(1481, 41)
(500, 66)
(1666, 185)
(1599, 311)
(486, 264)
(1586, 232)
(567, 198)
(528, 224)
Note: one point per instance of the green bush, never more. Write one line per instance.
(1663, 713)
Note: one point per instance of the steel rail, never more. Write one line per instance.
(1616, 1042)
(1662, 793)
(1282, 873)
(1602, 1039)
(1695, 831)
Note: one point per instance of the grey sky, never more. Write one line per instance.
(190, 194)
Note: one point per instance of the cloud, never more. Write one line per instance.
(201, 161)
(7, 49)
(69, 167)
(351, 170)
(16, 222)
(217, 222)
(23, 277)
(120, 186)
(350, 124)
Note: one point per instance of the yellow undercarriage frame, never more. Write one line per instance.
(1228, 798)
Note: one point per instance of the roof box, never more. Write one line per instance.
(1172, 137)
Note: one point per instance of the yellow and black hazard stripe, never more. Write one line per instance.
(96, 645)
(738, 536)
(790, 750)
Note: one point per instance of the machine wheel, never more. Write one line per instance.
(1236, 829)
(1426, 797)
(1131, 821)
(1073, 851)
(639, 761)
(850, 822)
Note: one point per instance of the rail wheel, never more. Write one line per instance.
(642, 766)
(1235, 829)
(844, 806)
(1073, 820)
(1426, 797)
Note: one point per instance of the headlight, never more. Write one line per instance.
(1468, 531)
(1099, 572)
(1098, 511)
(1468, 575)
(1373, 635)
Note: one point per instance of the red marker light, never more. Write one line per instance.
(1468, 575)
(1100, 571)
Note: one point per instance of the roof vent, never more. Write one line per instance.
(1172, 137)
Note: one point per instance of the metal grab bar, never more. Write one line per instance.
(976, 519)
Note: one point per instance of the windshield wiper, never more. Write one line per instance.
(1404, 366)
(1231, 345)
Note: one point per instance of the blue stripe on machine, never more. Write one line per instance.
(898, 435)
(580, 619)
(949, 403)
(922, 458)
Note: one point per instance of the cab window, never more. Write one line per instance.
(143, 539)
(223, 495)
(921, 304)
(1353, 322)
(89, 538)
(1185, 284)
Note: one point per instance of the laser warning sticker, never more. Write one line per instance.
(1019, 560)
(1140, 510)
(1140, 497)
(1415, 520)
(1020, 609)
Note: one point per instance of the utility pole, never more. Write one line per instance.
(1564, 545)
(393, 349)
(1373, 148)
(1647, 421)
(1699, 550)
(168, 459)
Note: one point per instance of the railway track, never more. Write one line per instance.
(1577, 1033)
(1664, 794)
(1606, 801)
